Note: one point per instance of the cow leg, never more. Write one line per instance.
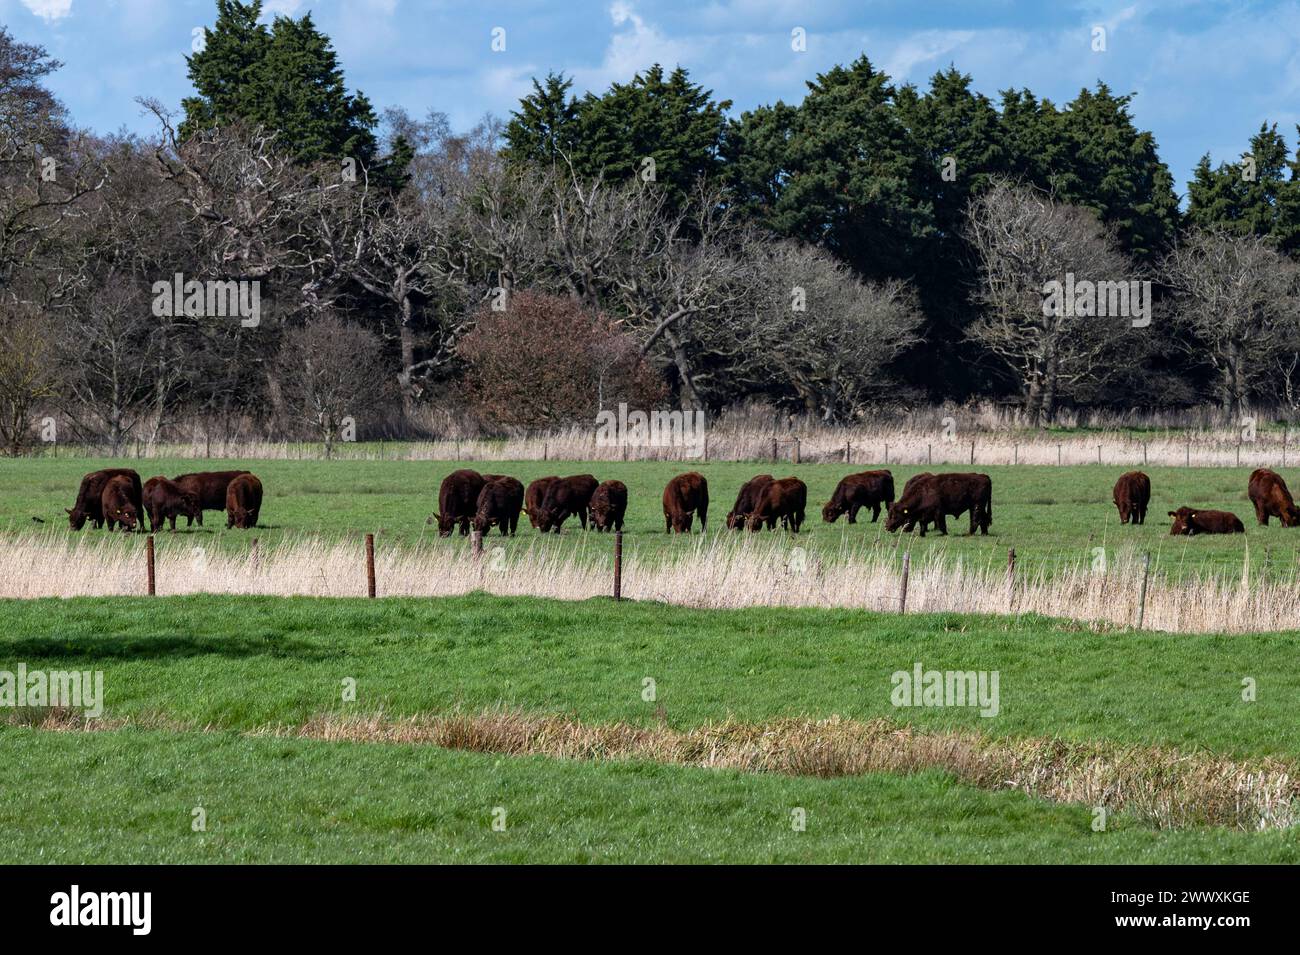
(875, 512)
(942, 524)
(1261, 515)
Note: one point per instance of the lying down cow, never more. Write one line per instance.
(1193, 521)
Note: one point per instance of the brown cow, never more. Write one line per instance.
(685, 495)
(1132, 495)
(209, 487)
(750, 493)
(932, 498)
(534, 497)
(1192, 521)
(565, 498)
(783, 501)
(89, 504)
(243, 501)
(166, 500)
(458, 501)
(117, 503)
(499, 504)
(867, 489)
(608, 505)
(1269, 493)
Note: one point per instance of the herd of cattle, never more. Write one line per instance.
(468, 499)
(114, 497)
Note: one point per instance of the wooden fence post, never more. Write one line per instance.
(886, 454)
(148, 561)
(1188, 460)
(774, 450)
(1144, 454)
(929, 457)
(907, 571)
(370, 565)
(1011, 578)
(972, 453)
(795, 452)
(476, 544)
(1099, 454)
(848, 452)
(1015, 454)
(618, 565)
(1142, 593)
(1058, 455)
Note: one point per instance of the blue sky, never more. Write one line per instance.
(1206, 74)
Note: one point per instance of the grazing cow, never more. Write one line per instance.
(1132, 495)
(89, 504)
(608, 505)
(1269, 493)
(534, 497)
(117, 503)
(166, 500)
(243, 501)
(458, 501)
(1191, 521)
(499, 504)
(867, 489)
(783, 501)
(747, 500)
(209, 487)
(565, 498)
(685, 495)
(932, 498)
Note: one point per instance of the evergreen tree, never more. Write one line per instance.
(664, 118)
(545, 127)
(840, 170)
(1258, 195)
(285, 78)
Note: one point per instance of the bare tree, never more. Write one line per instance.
(1240, 298)
(1026, 241)
(820, 334)
(329, 372)
(27, 374)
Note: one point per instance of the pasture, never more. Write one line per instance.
(1053, 517)
(204, 697)
(236, 704)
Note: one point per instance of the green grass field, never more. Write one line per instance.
(217, 668)
(225, 666)
(1052, 516)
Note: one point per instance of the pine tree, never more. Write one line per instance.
(285, 78)
(545, 127)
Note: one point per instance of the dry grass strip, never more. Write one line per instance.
(1162, 787)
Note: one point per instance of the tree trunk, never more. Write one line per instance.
(682, 363)
(405, 379)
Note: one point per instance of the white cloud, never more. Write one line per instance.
(49, 10)
(280, 8)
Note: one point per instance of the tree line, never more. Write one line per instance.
(876, 245)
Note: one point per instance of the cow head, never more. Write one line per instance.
(601, 515)
(76, 518)
(899, 516)
(735, 521)
(446, 524)
(1125, 510)
(754, 521)
(831, 512)
(190, 507)
(481, 523)
(126, 516)
(1184, 521)
(1290, 516)
(548, 517)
